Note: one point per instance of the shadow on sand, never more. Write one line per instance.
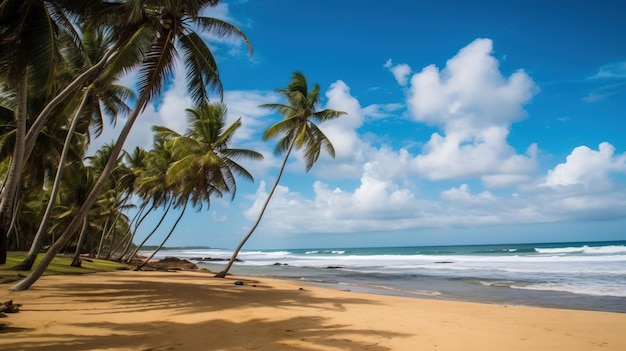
(183, 298)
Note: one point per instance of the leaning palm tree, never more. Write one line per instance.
(172, 24)
(29, 51)
(103, 94)
(205, 165)
(298, 130)
(152, 187)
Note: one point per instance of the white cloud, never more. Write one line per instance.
(380, 111)
(378, 195)
(245, 104)
(585, 166)
(400, 71)
(383, 205)
(462, 196)
(350, 150)
(594, 97)
(475, 106)
(613, 70)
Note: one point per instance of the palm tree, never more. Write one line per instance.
(172, 23)
(101, 95)
(298, 130)
(204, 163)
(136, 162)
(29, 260)
(152, 186)
(29, 50)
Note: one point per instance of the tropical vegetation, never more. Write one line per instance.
(60, 66)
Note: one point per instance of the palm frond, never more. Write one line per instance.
(202, 72)
(223, 30)
(158, 66)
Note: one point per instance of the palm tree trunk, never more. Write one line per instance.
(25, 147)
(104, 233)
(163, 242)
(112, 240)
(130, 235)
(28, 262)
(12, 181)
(81, 239)
(13, 226)
(132, 255)
(89, 201)
(223, 273)
(40, 121)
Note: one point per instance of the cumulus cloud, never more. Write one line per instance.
(462, 196)
(245, 104)
(474, 105)
(401, 71)
(350, 150)
(585, 166)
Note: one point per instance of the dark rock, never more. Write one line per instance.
(212, 259)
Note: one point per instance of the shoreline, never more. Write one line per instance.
(576, 275)
(184, 310)
(431, 288)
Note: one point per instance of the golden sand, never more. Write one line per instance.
(193, 311)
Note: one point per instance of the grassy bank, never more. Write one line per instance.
(60, 265)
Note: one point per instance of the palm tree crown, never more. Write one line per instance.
(205, 164)
(298, 125)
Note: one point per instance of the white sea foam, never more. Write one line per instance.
(579, 269)
(585, 289)
(589, 250)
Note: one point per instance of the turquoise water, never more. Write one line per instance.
(581, 275)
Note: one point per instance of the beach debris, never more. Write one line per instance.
(9, 307)
(238, 282)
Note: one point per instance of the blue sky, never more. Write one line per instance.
(467, 122)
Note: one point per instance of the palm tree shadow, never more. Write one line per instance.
(180, 297)
(314, 334)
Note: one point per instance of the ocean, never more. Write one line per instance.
(582, 275)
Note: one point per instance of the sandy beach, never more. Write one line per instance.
(193, 311)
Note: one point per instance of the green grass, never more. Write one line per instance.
(60, 265)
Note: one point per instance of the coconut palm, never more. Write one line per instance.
(204, 165)
(152, 187)
(298, 130)
(136, 162)
(101, 95)
(172, 23)
(29, 50)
